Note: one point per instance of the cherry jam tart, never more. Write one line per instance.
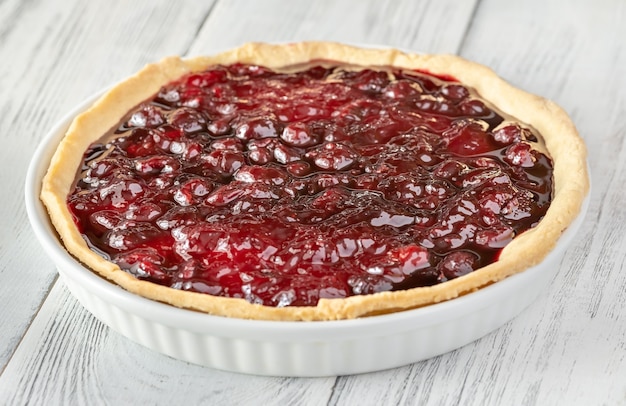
(283, 188)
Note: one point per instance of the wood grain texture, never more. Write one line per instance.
(569, 347)
(68, 357)
(54, 55)
(425, 26)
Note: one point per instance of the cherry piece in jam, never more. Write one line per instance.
(285, 188)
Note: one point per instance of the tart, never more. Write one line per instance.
(314, 181)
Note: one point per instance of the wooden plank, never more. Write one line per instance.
(424, 26)
(68, 357)
(54, 55)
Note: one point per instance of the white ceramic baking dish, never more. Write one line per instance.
(281, 348)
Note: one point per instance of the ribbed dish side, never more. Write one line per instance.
(284, 357)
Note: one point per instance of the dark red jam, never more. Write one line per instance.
(284, 188)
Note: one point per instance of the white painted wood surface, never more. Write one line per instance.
(568, 348)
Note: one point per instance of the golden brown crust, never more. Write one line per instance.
(562, 141)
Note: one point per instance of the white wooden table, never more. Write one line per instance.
(568, 348)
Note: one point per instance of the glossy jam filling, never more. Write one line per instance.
(284, 188)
